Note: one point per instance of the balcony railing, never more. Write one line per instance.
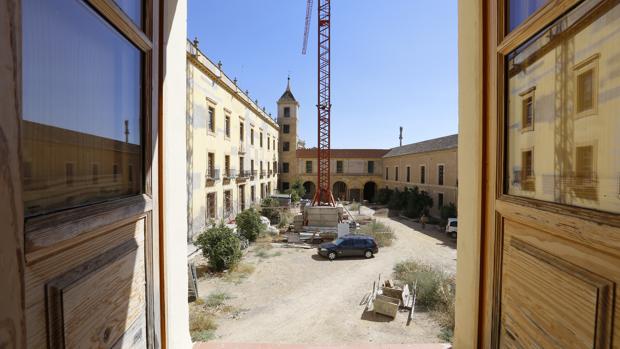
(229, 174)
(262, 174)
(212, 176)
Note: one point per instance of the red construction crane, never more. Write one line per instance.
(323, 195)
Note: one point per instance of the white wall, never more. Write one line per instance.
(174, 193)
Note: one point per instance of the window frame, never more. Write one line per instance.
(441, 174)
(422, 174)
(286, 146)
(589, 64)
(227, 126)
(212, 118)
(528, 94)
(339, 166)
(286, 128)
(311, 167)
(408, 174)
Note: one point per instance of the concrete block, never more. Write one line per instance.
(393, 293)
(386, 305)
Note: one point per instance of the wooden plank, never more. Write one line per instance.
(99, 308)
(50, 234)
(40, 273)
(562, 279)
(12, 314)
(57, 289)
(579, 230)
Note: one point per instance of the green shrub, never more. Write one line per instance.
(286, 218)
(435, 290)
(383, 196)
(220, 246)
(448, 211)
(382, 234)
(249, 224)
(269, 209)
(297, 190)
(417, 202)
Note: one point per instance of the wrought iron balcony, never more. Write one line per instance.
(212, 176)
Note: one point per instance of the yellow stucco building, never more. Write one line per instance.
(357, 174)
(232, 157)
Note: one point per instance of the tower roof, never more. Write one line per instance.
(287, 96)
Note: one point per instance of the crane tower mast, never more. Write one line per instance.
(323, 195)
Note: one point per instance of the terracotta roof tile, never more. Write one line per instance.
(344, 153)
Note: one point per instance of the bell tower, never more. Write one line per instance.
(287, 120)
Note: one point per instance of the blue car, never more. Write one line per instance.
(349, 246)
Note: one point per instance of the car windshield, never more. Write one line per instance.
(338, 241)
(453, 224)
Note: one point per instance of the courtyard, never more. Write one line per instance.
(292, 295)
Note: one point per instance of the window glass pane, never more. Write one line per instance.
(571, 153)
(520, 10)
(81, 107)
(133, 9)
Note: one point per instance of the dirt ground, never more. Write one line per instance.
(296, 296)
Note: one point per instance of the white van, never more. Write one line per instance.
(451, 227)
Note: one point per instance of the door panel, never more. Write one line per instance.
(550, 297)
(91, 294)
(552, 232)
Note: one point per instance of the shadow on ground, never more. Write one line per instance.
(374, 317)
(319, 258)
(430, 230)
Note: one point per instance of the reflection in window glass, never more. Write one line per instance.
(520, 10)
(133, 9)
(81, 124)
(571, 155)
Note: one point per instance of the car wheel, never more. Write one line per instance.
(331, 256)
(368, 254)
(453, 235)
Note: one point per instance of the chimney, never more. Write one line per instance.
(401, 136)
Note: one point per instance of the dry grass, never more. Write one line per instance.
(240, 272)
(383, 235)
(262, 251)
(202, 324)
(435, 290)
(216, 299)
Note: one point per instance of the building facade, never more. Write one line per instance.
(430, 165)
(357, 174)
(232, 157)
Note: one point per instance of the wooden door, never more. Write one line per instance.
(552, 79)
(86, 107)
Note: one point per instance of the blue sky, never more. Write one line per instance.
(394, 63)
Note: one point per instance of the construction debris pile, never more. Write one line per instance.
(387, 299)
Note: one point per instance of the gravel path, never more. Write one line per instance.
(299, 297)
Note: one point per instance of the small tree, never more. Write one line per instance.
(417, 202)
(269, 209)
(383, 196)
(220, 246)
(448, 211)
(249, 224)
(297, 190)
